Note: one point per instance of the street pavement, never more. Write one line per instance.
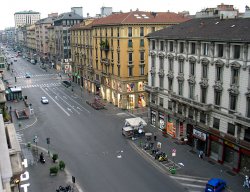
(191, 171)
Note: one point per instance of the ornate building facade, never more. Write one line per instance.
(199, 81)
(110, 54)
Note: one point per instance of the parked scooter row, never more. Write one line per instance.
(160, 156)
(65, 189)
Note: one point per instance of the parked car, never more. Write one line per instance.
(44, 100)
(15, 60)
(27, 75)
(215, 185)
(66, 83)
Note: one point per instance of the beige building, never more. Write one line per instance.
(31, 41)
(110, 55)
(42, 38)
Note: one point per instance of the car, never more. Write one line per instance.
(15, 60)
(215, 185)
(27, 75)
(44, 100)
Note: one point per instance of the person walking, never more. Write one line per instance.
(201, 154)
(246, 182)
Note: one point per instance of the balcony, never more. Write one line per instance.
(105, 61)
(151, 89)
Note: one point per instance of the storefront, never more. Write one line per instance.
(229, 153)
(141, 100)
(161, 121)
(200, 139)
(190, 138)
(153, 118)
(170, 127)
(214, 148)
(244, 160)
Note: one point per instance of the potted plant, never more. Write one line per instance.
(54, 157)
(53, 170)
(61, 165)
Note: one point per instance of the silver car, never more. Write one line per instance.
(44, 100)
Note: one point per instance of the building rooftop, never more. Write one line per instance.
(68, 16)
(212, 29)
(140, 17)
(26, 12)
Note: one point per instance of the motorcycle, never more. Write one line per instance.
(42, 159)
(158, 154)
(154, 151)
(148, 146)
(64, 189)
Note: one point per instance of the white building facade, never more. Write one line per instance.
(199, 82)
(26, 18)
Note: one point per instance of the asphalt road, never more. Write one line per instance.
(89, 141)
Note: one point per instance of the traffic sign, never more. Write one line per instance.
(173, 152)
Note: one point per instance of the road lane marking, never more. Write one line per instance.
(55, 102)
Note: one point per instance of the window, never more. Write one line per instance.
(142, 43)
(203, 95)
(191, 113)
(217, 98)
(118, 58)
(180, 88)
(205, 49)
(181, 47)
(118, 43)
(142, 57)
(181, 65)
(152, 61)
(118, 32)
(130, 71)
(153, 99)
(192, 48)
(191, 91)
(130, 32)
(153, 80)
(236, 51)
(118, 71)
(171, 46)
(248, 107)
(216, 123)
(220, 50)
(161, 62)
(204, 71)
(233, 100)
(170, 105)
(142, 69)
(161, 82)
(218, 73)
(152, 29)
(235, 76)
(247, 134)
(162, 45)
(170, 84)
(192, 69)
(130, 58)
(231, 129)
(170, 61)
(141, 32)
(203, 117)
(153, 44)
(161, 102)
(130, 43)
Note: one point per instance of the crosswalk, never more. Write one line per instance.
(41, 85)
(191, 183)
(19, 137)
(20, 76)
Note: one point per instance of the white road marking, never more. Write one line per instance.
(55, 102)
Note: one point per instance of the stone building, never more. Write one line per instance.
(199, 82)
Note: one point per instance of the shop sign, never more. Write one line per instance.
(171, 129)
(199, 134)
(161, 121)
(173, 152)
(229, 144)
(25, 177)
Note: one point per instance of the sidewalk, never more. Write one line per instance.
(188, 163)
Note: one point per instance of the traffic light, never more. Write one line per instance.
(48, 140)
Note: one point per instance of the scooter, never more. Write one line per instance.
(163, 157)
(42, 159)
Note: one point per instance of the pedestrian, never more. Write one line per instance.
(246, 182)
(201, 154)
(155, 137)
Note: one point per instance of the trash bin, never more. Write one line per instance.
(172, 170)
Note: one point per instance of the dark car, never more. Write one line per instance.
(66, 83)
(215, 185)
(27, 75)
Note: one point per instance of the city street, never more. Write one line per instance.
(89, 141)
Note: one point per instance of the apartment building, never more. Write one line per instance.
(31, 41)
(199, 86)
(110, 54)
